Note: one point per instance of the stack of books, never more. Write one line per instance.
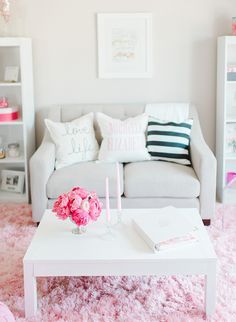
(165, 230)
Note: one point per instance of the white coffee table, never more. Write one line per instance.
(55, 251)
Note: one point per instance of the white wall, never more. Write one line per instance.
(65, 51)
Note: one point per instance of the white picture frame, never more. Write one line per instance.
(11, 74)
(124, 45)
(12, 181)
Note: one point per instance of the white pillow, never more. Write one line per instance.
(75, 141)
(123, 141)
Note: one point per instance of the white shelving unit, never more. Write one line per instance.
(18, 52)
(226, 116)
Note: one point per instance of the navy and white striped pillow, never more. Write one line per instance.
(169, 141)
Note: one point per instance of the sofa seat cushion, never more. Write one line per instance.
(90, 175)
(160, 179)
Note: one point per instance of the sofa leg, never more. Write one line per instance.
(206, 222)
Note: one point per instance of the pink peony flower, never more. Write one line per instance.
(95, 208)
(60, 207)
(73, 195)
(83, 193)
(62, 201)
(63, 213)
(80, 217)
(75, 204)
(85, 205)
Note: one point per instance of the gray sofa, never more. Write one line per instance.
(147, 184)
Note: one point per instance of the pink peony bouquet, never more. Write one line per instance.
(80, 205)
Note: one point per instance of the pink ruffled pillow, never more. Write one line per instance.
(5, 314)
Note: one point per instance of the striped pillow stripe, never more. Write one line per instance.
(183, 125)
(169, 141)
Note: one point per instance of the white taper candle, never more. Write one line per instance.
(108, 214)
(118, 186)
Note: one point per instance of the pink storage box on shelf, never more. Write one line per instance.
(9, 114)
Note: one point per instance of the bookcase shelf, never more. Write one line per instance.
(13, 197)
(17, 51)
(231, 82)
(11, 123)
(7, 84)
(233, 120)
(7, 160)
(230, 156)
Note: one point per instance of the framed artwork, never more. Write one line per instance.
(13, 181)
(11, 74)
(124, 45)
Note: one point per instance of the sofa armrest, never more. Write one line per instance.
(204, 164)
(42, 165)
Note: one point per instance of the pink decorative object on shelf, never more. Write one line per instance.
(3, 102)
(79, 205)
(230, 178)
(234, 26)
(8, 114)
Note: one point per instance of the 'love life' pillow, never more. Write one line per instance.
(75, 141)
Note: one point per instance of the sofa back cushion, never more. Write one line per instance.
(117, 111)
(69, 112)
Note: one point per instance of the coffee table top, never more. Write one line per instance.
(54, 241)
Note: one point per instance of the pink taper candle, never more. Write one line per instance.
(108, 215)
(118, 186)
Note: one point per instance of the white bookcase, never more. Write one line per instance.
(226, 115)
(18, 52)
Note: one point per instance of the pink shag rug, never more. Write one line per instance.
(108, 299)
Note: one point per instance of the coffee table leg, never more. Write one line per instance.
(30, 289)
(210, 290)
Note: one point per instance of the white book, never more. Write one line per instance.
(165, 230)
